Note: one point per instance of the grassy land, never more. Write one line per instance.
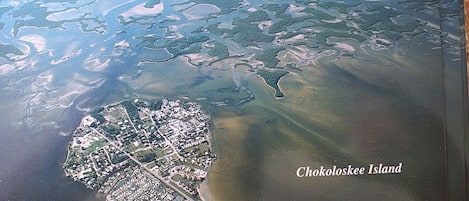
(95, 145)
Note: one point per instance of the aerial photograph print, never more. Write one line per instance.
(233, 100)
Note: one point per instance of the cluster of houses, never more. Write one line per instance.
(169, 140)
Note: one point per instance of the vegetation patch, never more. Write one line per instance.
(245, 31)
(318, 15)
(155, 105)
(131, 109)
(290, 34)
(269, 56)
(286, 21)
(341, 6)
(272, 78)
(151, 3)
(219, 50)
(379, 18)
(9, 49)
(257, 16)
(95, 145)
(185, 45)
(145, 156)
(277, 8)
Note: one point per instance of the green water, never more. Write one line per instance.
(350, 112)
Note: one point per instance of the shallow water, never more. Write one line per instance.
(375, 106)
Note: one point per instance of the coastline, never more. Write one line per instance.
(204, 191)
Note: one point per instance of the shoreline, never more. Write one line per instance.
(204, 191)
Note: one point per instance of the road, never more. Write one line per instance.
(167, 141)
(143, 166)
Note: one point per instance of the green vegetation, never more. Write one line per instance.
(272, 78)
(298, 43)
(341, 6)
(112, 131)
(256, 16)
(190, 50)
(37, 17)
(73, 161)
(96, 114)
(251, 34)
(151, 3)
(155, 105)
(380, 19)
(244, 31)
(243, 64)
(184, 45)
(198, 150)
(339, 25)
(269, 56)
(185, 42)
(147, 41)
(277, 8)
(9, 49)
(409, 27)
(131, 109)
(145, 156)
(220, 51)
(142, 20)
(318, 15)
(177, 177)
(286, 21)
(95, 145)
(347, 55)
(36, 22)
(198, 30)
(201, 149)
(98, 117)
(118, 158)
(213, 28)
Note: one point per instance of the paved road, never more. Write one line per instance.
(166, 182)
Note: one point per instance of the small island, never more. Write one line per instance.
(271, 78)
(148, 150)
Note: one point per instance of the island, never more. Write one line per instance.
(271, 78)
(156, 150)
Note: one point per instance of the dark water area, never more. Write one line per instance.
(31, 166)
